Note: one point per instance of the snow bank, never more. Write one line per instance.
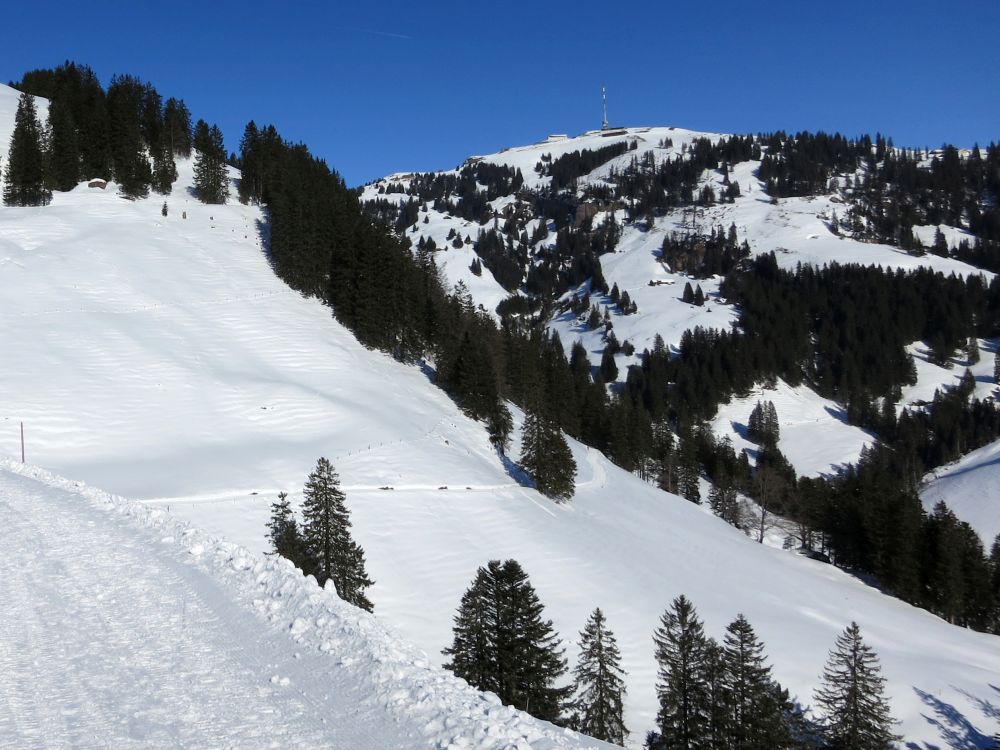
(397, 676)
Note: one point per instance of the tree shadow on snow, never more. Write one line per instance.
(516, 473)
(957, 731)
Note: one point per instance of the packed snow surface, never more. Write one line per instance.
(159, 358)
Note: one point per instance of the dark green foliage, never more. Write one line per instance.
(704, 256)
(546, 457)
(683, 691)
(599, 683)
(211, 177)
(63, 163)
(724, 500)
(755, 712)
(177, 127)
(502, 644)
(129, 164)
(852, 697)
(75, 88)
(283, 533)
(24, 175)
(326, 531)
(763, 427)
(164, 170)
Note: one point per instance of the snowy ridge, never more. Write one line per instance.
(397, 677)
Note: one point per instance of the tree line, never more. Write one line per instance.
(127, 133)
(711, 694)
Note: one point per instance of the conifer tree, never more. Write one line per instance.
(131, 167)
(177, 127)
(502, 644)
(724, 499)
(211, 177)
(326, 532)
(852, 696)
(25, 172)
(62, 169)
(164, 170)
(599, 683)
(755, 715)
(473, 650)
(685, 701)
(688, 471)
(283, 532)
(546, 456)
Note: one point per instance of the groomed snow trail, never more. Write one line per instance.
(109, 642)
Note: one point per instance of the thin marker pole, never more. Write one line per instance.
(22, 442)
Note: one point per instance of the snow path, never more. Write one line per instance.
(117, 644)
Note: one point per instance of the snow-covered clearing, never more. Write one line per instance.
(970, 487)
(814, 434)
(159, 358)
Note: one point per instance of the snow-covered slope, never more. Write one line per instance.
(158, 357)
(970, 487)
(126, 628)
(797, 230)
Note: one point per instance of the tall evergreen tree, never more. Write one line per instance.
(599, 683)
(326, 532)
(131, 166)
(63, 163)
(685, 700)
(177, 127)
(546, 456)
(755, 713)
(852, 696)
(473, 650)
(211, 178)
(283, 533)
(502, 644)
(25, 172)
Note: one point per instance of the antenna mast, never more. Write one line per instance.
(604, 96)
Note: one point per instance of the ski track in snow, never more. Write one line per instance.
(118, 644)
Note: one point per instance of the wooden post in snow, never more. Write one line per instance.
(22, 442)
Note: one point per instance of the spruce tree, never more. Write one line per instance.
(283, 533)
(25, 172)
(132, 170)
(755, 715)
(164, 170)
(682, 689)
(62, 170)
(724, 500)
(599, 683)
(473, 649)
(547, 458)
(529, 655)
(852, 696)
(326, 532)
(211, 178)
(177, 127)
(502, 644)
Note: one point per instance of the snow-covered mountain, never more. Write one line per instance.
(797, 230)
(159, 358)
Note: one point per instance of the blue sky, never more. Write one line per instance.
(381, 87)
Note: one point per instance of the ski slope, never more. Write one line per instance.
(159, 358)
